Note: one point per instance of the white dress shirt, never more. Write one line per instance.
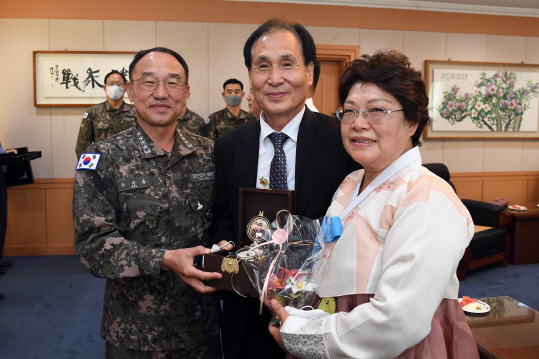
(266, 149)
(310, 104)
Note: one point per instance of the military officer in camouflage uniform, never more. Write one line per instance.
(232, 116)
(192, 122)
(107, 118)
(140, 205)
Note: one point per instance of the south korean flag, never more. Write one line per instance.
(88, 161)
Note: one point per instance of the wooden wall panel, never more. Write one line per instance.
(513, 190)
(469, 189)
(241, 12)
(39, 218)
(60, 226)
(533, 193)
(26, 225)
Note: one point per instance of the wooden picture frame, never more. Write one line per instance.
(75, 78)
(481, 100)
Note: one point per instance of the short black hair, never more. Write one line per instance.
(143, 53)
(115, 72)
(233, 81)
(308, 48)
(316, 73)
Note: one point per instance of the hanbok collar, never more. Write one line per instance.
(404, 160)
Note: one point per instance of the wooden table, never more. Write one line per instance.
(524, 233)
(509, 331)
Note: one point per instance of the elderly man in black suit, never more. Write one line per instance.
(292, 146)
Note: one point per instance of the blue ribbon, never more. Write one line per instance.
(335, 229)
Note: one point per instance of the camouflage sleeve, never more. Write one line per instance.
(211, 132)
(86, 133)
(98, 242)
(251, 117)
(203, 127)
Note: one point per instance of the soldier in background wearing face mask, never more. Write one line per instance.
(108, 118)
(232, 116)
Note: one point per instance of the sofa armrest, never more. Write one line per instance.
(483, 213)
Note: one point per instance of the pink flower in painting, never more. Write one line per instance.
(445, 113)
(497, 75)
(500, 92)
(479, 106)
(512, 82)
(512, 104)
(476, 91)
(455, 89)
(511, 94)
(462, 105)
(486, 108)
(466, 95)
(492, 89)
(517, 108)
(503, 103)
(474, 113)
(452, 105)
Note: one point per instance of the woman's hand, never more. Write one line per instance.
(283, 315)
(11, 151)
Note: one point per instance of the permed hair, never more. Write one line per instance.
(391, 70)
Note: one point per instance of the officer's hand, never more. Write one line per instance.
(180, 261)
(283, 315)
(11, 151)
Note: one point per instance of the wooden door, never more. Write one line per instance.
(333, 59)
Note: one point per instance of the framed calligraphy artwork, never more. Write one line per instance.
(75, 78)
(478, 100)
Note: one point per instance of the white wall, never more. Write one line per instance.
(214, 53)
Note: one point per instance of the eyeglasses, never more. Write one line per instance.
(373, 115)
(172, 84)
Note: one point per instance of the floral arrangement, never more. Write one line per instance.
(281, 267)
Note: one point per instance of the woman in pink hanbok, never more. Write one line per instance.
(389, 280)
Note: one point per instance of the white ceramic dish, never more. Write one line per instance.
(485, 308)
(516, 207)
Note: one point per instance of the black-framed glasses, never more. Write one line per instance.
(373, 114)
(172, 84)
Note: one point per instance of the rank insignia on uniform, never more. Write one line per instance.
(85, 115)
(133, 183)
(88, 161)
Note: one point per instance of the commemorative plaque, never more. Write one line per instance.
(257, 209)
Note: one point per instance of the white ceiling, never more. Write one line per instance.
(528, 8)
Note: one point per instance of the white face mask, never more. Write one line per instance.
(115, 92)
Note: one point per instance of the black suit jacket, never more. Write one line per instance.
(321, 165)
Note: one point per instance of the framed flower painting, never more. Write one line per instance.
(478, 100)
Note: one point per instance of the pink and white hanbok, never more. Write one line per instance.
(393, 274)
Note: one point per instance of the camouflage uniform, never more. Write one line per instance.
(223, 121)
(138, 203)
(193, 123)
(102, 121)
